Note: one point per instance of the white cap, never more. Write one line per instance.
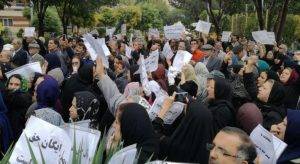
(8, 47)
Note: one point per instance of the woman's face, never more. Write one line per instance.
(270, 55)
(73, 109)
(181, 46)
(14, 84)
(279, 129)
(264, 92)
(262, 79)
(285, 75)
(79, 49)
(75, 63)
(210, 87)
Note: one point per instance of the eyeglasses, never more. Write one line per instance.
(220, 150)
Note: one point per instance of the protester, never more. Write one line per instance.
(85, 106)
(219, 103)
(17, 101)
(6, 135)
(186, 145)
(288, 131)
(47, 93)
(20, 56)
(231, 145)
(34, 50)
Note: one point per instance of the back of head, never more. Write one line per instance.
(248, 117)
(47, 93)
(188, 145)
(277, 93)
(136, 128)
(223, 89)
(53, 61)
(247, 150)
(85, 74)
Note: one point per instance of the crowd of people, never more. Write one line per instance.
(231, 88)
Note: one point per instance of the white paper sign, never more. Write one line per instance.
(167, 51)
(151, 62)
(27, 71)
(226, 36)
(29, 31)
(267, 145)
(96, 48)
(143, 72)
(94, 32)
(154, 87)
(174, 32)
(110, 31)
(203, 27)
(153, 33)
(181, 58)
(86, 141)
(175, 110)
(123, 29)
(128, 51)
(53, 141)
(124, 156)
(264, 37)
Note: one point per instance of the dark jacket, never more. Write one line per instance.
(292, 92)
(223, 114)
(17, 104)
(20, 58)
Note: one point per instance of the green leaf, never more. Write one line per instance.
(42, 156)
(31, 151)
(7, 155)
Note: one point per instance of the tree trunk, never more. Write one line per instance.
(41, 23)
(260, 13)
(282, 21)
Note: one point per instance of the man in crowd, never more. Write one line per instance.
(231, 145)
(20, 56)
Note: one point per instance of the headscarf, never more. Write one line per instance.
(134, 77)
(47, 93)
(53, 61)
(186, 145)
(272, 75)
(87, 105)
(248, 117)
(24, 82)
(189, 73)
(291, 137)
(223, 89)
(293, 77)
(201, 74)
(6, 131)
(277, 94)
(85, 74)
(136, 127)
(160, 77)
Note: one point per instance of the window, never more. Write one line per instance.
(7, 22)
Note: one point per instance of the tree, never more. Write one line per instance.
(78, 9)
(40, 7)
(151, 17)
(4, 3)
(51, 21)
(271, 8)
(192, 7)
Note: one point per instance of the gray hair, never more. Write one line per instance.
(247, 150)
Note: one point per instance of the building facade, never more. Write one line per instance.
(12, 16)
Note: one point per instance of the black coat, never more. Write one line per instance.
(292, 92)
(223, 114)
(17, 104)
(20, 58)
